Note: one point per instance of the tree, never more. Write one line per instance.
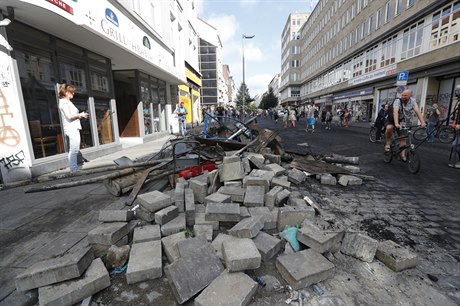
(269, 100)
(243, 90)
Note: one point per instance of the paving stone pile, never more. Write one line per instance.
(205, 241)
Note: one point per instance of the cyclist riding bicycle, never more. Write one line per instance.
(403, 111)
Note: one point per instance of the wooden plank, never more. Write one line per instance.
(317, 167)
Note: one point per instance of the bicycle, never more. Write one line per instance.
(412, 157)
(373, 133)
(445, 134)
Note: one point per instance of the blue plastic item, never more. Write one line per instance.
(290, 234)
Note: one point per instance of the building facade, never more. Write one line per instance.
(124, 57)
(354, 53)
(275, 84)
(213, 88)
(291, 59)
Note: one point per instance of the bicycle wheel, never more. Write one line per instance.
(446, 134)
(373, 134)
(420, 134)
(413, 162)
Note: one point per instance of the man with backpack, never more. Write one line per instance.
(402, 110)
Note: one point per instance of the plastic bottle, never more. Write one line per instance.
(260, 281)
(318, 289)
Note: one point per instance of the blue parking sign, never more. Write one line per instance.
(402, 76)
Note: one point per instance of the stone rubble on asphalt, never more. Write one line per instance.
(253, 205)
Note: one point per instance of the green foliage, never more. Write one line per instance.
(243, 91)
(269, 100)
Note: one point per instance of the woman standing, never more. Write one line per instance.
(71, 122)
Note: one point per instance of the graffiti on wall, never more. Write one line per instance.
(8, 135)
(13, 161)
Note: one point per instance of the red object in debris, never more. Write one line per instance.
(193, 171)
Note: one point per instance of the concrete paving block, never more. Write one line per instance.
(169, 244)
(218, 241)
(200, 208)
(179, 197)
(248, 227)
(359, 246)
(256, 181)
(231, 159)
(70, 292)
(116, 215)
(241, 254)
(231, 171)
(166, 214)
(318, 239)
(282, 197)
(275, 168)
(27, 298)
(261, 173)
(328, 179)
(236, 193)
(395, 257)
(296, 176)
(204, 178)
(244, 212)
(174, 226)
(200, 218)
(237, 184)
(189, 207)
(266, 214)
(200, 190)
(281, 181)
(304, 268)
(246, 165)
(349, 180)
(144, 214)
(270, 197)
(292, 216)
(267, 245)
(154, 200)
(190, 274)
(256, 159)
(100, 250)
(55, 270)
(225, 212)
(144, 262)
(108, 233)
(255, 196)
(273, 158)
(203, 229)
(296, 202)
(230, 288)
(147, 233)
(218, 198)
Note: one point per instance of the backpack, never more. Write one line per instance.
(389, 114)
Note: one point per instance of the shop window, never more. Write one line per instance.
(147, 107)
(37, 82)
(104, 120)
(99, 81)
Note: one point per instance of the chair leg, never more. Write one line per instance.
(43, 148)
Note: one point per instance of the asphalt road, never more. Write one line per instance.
(433, 194)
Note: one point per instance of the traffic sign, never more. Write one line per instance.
(400, 89)
(402, 77)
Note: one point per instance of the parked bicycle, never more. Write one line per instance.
(373, 133)
(445, 134)
(411, 156)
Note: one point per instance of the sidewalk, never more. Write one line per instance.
(38, 226)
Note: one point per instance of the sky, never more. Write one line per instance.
(263, 18)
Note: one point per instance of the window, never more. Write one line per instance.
(388, 51)
(388, 11)
(371, 60)
(358, 65)
(295, 77)
(371, 25)
(378, 19)
(398, 7)
(445, 26)
(364, 30)
(412, 41)
(410, 3)
(295, 63)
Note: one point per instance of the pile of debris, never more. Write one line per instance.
(212, 228)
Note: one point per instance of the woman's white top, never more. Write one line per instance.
(69, 124)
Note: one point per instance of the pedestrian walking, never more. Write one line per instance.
(311, 119)
(433, 121)
(292, 117)
(328, 119)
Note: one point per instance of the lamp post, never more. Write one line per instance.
(242, 46)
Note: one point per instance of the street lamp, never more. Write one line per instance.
(242, 45)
